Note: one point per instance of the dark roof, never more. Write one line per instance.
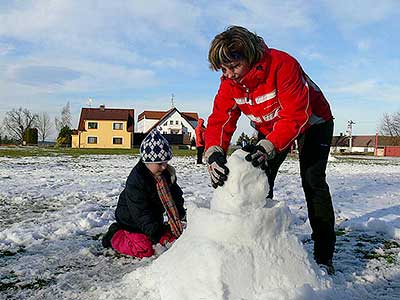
(157, 115)
(365, 141)
(151, 114)
(388, 141)
(110, 114)
(191, 116)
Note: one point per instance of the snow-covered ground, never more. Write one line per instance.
(54, 210)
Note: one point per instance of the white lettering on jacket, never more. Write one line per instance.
(271, 115)
(266, 97)
(258, 100)
(254, 118)
(241, 100)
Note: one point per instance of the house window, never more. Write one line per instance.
(92, 139)
(117, 140)
(118, 126)
(166, 123)
(177, 122)
(171, 122)
(92, 125)
(164, 132)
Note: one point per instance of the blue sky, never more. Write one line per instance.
(128, 54)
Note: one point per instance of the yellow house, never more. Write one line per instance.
(104, 128)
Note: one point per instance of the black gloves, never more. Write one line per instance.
(258, 157)
(216, 166)
(260, 153)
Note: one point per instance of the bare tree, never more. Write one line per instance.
(17, 121)
(396, 123)
(390, 124)
(44, 126)
(65, 119)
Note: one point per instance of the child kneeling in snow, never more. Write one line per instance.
(151, 189)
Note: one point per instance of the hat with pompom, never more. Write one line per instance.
(155, 148)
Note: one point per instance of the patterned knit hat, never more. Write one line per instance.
(155, 148)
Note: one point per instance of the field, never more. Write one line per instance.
(55, 207)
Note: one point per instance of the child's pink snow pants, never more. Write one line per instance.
(133, 244)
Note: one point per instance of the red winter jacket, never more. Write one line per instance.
(276, 94)
(200, 130)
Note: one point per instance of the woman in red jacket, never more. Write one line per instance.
(200, 142)
(284, 104)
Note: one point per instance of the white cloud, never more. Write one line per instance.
(364, 45)
(368, 90)
(97, 20)
(6, 48)
(43, 75)
(312, 54)
(357, 88)
(268, 16)
(361, 12)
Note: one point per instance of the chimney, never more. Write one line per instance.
(102, 107)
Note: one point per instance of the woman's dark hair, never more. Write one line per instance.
(235, 43)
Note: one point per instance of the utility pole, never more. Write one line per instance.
(349, 133)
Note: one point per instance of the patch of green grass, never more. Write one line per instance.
(12, 253)
(16, 284)
(390, 244)
(340, 232)
(370, 239)
(389, 257)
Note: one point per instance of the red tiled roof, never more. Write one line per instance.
(158, 115)
(365, 141)
(151, 114)
(111, 114)
(191, 116)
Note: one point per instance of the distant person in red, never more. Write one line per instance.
(200, 141)
(270, 87)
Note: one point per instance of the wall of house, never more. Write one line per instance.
(105, 135)
(145, 124)
(176, 124)
(363, 149)
(392, 151)
(75, 141)
(341, 149)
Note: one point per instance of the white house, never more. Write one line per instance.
(168, 122)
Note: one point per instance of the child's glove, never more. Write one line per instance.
(261, 153)
(216, 161)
